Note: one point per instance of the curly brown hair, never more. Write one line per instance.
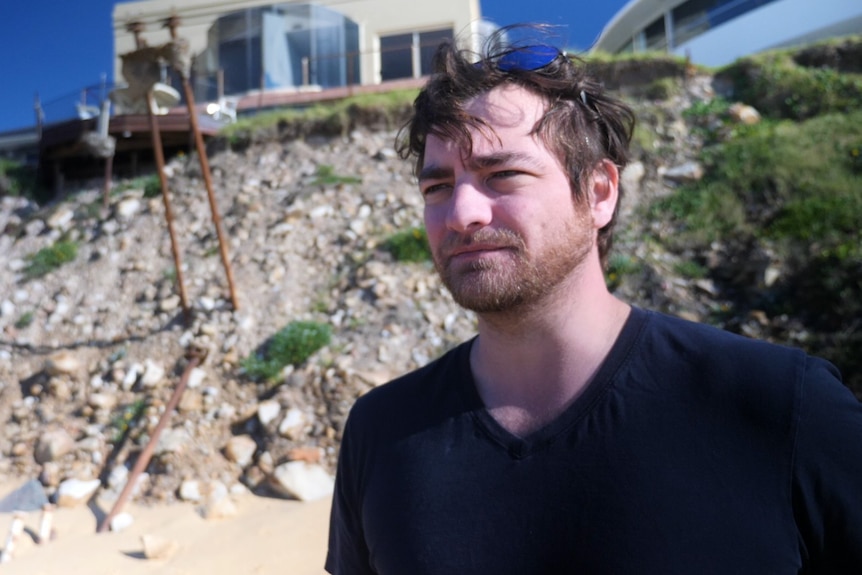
(582, 125)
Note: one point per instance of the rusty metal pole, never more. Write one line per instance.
(171, 23)
(169, 214)
(109, 161)
(196, 357)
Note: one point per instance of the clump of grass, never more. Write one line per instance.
(619, 266)
(152, 186)
(25, 320)
(326, 176)
(50, 258)
(409, 245)
(291, 345)
(690, 269)
(123, 420)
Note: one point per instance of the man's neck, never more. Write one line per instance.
(531, 366)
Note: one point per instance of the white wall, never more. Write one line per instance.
(769, 26)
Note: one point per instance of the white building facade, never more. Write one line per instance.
(265, 45)
(717, 32)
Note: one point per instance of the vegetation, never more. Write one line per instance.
(386, 110)
(326, 176)
(291, 345)
(25, 320)
(409, 246)
(50, 258)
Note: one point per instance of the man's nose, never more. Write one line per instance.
(469, 208)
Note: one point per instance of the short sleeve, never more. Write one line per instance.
(348, 551)
(827, 472)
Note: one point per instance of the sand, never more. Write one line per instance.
(267, 536)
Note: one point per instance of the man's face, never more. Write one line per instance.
(502, 224)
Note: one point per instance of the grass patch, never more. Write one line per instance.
(619, 266)
(326, 176)
(409, 245)
(25, 320)
(49, 259)
(292, 345)
(387, 109)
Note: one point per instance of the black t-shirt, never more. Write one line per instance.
(692, 451)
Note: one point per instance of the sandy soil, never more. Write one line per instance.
(267, 536)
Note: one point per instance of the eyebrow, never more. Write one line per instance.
(436, 172)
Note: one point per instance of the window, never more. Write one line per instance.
(654, 36)
(396, 53)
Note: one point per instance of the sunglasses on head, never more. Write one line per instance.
(527, 58)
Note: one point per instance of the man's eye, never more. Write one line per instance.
(434, 188)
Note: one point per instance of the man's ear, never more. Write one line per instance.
(604, 192)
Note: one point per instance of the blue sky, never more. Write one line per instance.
(56, 48)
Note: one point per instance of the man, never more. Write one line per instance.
(575, 433)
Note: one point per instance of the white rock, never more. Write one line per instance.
(61, 218)
(106, 401)
(304, 481)
(196, 377)
(240, 449)
(170, 303)
(74, 492)
(128, 207)
(685, 173)
(173, 440)
(121, 521)
(7, 308)
(153, 374)
(131, 376)
(267, 411)
(293, 424)
(190, 490)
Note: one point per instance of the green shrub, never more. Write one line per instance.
(48, 259)
(619, 266)
(690, 269)
(326, 176)
(291, 345)
(25, 320)
(152, 186)
(409, 246)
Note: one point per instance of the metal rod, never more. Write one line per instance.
(169, 214)
(106, 193)
(171, 23)
(195, 359)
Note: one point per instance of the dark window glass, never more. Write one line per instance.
(396, 57)
(655, 37)
(428, 43)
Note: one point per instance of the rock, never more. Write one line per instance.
(128, 207)
(173, 440)
(7, 308)
(687, 172)
(158, 548)
(743, 114)
(74, 492)
(121, 521)
(153, 375)
(52, 445)
(170, 303)
(190, 490)
(303, 481)
(240, 449)
(61, 218)
(62, 363)
(294, 423)
(306, 454)
(267, 411)
(196, 377)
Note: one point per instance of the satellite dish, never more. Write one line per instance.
(130, 101)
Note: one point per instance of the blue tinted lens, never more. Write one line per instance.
(527, 58)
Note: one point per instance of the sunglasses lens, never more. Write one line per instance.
(527, 58)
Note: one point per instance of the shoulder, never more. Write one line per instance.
(425, 392)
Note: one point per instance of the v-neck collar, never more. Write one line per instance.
(522, 447)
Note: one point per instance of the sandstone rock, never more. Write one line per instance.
(685, 173)
(61, 218)
(121, 521)
(240, 449)
(744, 114)
(303, 481)
(62, 363)
(128, 207)
(196, 377)
(190, 490)
(158, 548)
(52, 445)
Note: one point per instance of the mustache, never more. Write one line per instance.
(500, 237)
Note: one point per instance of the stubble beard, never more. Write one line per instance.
(520, 280)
